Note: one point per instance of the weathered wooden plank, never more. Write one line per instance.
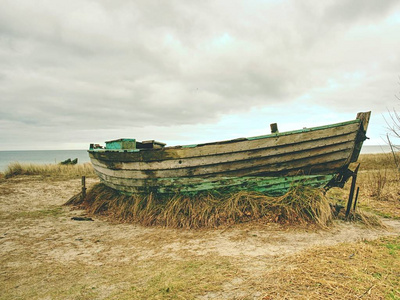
(364, 118)
(241, 146)
(361, 134)
(194, 183)
(309, 148)
(270, 185)
(186, 181)
(262, 164)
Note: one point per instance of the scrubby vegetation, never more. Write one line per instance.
(53, 170)
(379, 181)
(299, 206)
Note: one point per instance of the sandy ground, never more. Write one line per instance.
(32, 217)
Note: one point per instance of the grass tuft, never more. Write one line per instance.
(368, 219)
(301, 205)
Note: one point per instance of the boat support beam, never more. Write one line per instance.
(352, 188)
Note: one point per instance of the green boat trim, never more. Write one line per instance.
(274, 186)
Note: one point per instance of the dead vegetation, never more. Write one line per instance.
(300, 205)
(368, 270)
(55, 171)
(377, 161)
(379, 182)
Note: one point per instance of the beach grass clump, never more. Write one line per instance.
(378, 161)
(300, 205)
(366, 218)
(54, 170)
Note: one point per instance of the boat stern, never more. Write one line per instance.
(364, 118)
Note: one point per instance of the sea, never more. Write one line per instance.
(41, 157)
(57, 156)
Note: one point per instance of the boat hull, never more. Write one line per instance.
(269, 164)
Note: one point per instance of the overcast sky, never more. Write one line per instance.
(77, 72)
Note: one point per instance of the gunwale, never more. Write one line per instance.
(224, 147)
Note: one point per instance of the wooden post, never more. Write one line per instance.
(355, 200)
(274, 128)
(83, 195)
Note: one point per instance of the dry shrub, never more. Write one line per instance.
(378, 182)
(55, 170)
(382, 185)
(300, 205)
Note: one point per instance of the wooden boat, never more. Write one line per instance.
(318, 156)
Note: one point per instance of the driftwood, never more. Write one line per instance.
(82, 219)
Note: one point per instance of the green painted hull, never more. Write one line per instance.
(273, 186)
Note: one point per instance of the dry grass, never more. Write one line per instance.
(377, 161)
(379, 182)
(380, 176)
(138, 280)
(368, 270)
(299, 206)
(50, 170)
(363, 217)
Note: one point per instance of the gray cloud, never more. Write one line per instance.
(105, 65)
(350, 11)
